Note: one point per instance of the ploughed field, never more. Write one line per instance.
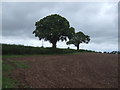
(85, 70)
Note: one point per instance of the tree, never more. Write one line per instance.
(53, 28)
(71, 33)
(78, 38)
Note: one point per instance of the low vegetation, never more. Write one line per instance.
(7, 67)
(8, 49)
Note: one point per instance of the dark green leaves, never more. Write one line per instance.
(78, 38)
(53, 28)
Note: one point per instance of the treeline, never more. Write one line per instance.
(113, 52)
(11, 49)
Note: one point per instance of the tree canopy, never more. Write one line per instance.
(53, 28)
(78, 38)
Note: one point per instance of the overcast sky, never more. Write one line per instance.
(98, 20)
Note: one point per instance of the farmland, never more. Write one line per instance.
(76, 70)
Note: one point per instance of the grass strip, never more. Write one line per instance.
(7, 67)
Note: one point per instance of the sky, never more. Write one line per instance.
(99, 20)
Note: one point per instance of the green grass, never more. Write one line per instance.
(8, 49)
(16, 56)
(20, 64)
(0, 74)
(0, 81)
(11, 56)
(9, 82)
(7, 67)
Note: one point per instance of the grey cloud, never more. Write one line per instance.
(98, 20)
(18, 17)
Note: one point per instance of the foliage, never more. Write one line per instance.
(53, 28)
(20, 64)
(78, 38)
(112, 52)
(115, 52)
(8, 82)
(15, 50)
(71, 33)
(7, 67)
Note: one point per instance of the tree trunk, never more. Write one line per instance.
(77, 46)
(54, 44)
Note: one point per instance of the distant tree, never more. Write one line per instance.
(114, 52)
(105, 52)
(78, 38)
(53, 28)
(118, 52)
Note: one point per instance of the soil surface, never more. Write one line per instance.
(86, 70)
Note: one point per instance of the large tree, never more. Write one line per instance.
(78, 38)
(53, 28)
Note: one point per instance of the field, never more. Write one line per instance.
(80, 70)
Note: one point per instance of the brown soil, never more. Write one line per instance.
(86, 70)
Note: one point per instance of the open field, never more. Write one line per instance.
(85, 70)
